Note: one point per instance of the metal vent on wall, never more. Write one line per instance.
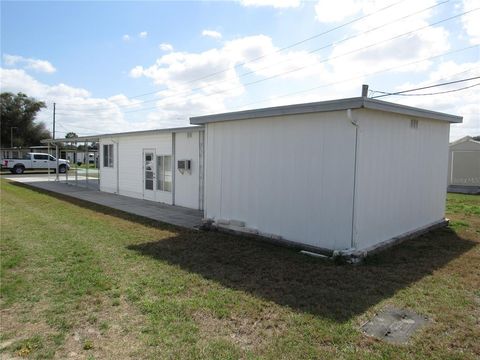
(414, 124)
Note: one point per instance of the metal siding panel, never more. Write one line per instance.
(465, 168)
(290, 176)
(187, 185)
(131, 162)
(402, 176)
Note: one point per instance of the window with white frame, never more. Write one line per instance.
(164, 173)
(108, 155)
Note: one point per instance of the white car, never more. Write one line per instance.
(35, 161)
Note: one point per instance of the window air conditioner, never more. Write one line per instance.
(184, 166)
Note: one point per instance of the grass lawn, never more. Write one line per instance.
(79, 281)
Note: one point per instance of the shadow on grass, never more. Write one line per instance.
(307, 284)
(290, 279)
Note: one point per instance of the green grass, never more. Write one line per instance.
(105, 285)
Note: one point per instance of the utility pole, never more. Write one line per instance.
(53, 121)
(11, 135)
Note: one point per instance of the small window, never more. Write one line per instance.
(414, 124)
(164, 173)
(108, 155)
(52, 158)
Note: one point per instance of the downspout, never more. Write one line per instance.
(174, 167)
(354, 123)
(118, 166)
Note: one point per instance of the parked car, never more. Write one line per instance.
(35, 161)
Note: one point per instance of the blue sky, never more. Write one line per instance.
(94, 58)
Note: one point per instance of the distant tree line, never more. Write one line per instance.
(18, 114)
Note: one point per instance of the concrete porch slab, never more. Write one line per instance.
(175, 215)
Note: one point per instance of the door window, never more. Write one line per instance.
(148, 158)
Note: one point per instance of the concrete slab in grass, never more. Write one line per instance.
(394, 325)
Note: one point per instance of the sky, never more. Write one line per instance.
(113, 66)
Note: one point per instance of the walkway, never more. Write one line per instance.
(175, 215)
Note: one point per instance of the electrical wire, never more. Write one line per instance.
(286, 47)
(352, 78)
(324, 60)
(191, 91)
(423, 88)
(374, 73)
(441, 92)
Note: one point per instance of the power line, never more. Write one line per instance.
(286, 60)
(78, 127)
(360, 76)
(423, 88)
(441, 92)
(322, 61)
(363, 75)
(286, 47)
(352, 78)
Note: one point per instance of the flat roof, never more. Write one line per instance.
(128, 133)
(325, 106)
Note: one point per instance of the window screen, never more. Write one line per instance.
(108, 155)
(164, 173)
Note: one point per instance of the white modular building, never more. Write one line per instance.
(464, 164)
(350, 175)
(163, 165)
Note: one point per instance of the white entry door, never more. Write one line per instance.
(149, 174)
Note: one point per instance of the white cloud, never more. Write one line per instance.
(212, 33)
(272, 3)
(471, 22)
(166, 47)
(216, 68)
(200, 83)
(77, 110)
(386, 47)
(28, 63)
(143, 34)
(338, 10)
(126, 37)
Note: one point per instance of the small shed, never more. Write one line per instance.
(464, 165)
(349, 175)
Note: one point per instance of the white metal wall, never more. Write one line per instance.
(290, 176)
(129, 159)
(464, 164)
(187, 184)
(131, 163)
(402, 175)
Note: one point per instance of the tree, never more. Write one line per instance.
(18, 113)
(71, 135)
